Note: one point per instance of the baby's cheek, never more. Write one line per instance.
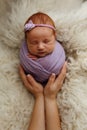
(51, 48)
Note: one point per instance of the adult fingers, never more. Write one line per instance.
(24, 78)
(22, 74)
(51, 80)
(63, 71)
(62, 74)
(31, 80)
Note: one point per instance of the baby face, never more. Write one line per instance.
(41, 41)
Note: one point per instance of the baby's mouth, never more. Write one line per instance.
(41, 54)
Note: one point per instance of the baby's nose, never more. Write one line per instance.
(40, 46)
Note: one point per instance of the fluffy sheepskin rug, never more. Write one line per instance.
(16, 103)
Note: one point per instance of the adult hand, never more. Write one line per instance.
(54, 84)
(34, 87)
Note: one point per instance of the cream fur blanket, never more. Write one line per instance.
(16, 103)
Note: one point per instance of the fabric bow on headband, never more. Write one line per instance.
(30, 25)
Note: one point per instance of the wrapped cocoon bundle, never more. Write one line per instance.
(42, 68)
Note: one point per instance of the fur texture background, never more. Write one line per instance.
(16, 103)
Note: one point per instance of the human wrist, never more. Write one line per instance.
(39, 96)
(49, 99)
(50, 102)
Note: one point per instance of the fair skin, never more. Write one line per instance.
(45, 101)
(40, 41)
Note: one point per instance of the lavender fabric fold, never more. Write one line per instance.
(42, 68)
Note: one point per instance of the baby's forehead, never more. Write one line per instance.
(41, 31)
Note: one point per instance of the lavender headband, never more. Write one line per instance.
(30, 25)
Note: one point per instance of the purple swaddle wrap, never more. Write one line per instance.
(42, 68)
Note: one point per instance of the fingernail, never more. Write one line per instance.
(53, 74)
(28, 75)
(66, 63)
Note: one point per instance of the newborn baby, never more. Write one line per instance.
(41, 54)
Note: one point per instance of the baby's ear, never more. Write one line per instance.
(55, 34)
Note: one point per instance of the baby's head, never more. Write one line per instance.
(40, 34)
